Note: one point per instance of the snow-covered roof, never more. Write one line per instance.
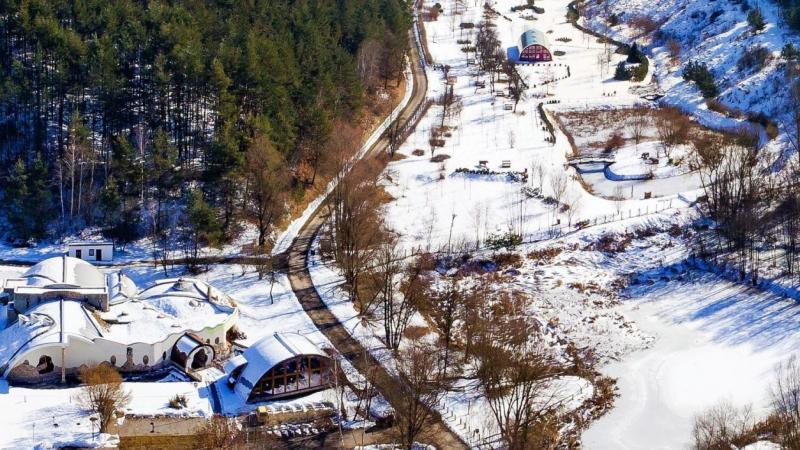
(233, 363)
(64, 270)
(533, 36)
(89, 243)
(120, 287)
(169, 306)
(186, 289)
(47, 323)
(267, 353)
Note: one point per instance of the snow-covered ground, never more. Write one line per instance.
(715, 33)
(716, 341)
(53, 418)
(678, 346)
(435, 205)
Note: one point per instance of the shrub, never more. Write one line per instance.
(440, 158)
(756, 19)
(544, 255)
(754, 57)
(644, 23)
(622, 73)
(627, 72)
(699, 73)
(790, 52)
(178, 401)
(500, 241)
(717, 106)
(614, 142)
(503, 260)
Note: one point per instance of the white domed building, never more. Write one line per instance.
(64, 313)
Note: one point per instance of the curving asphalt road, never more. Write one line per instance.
(438, 434)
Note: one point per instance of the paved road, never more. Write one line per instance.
(303, 287)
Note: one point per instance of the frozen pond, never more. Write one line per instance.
(636, 189)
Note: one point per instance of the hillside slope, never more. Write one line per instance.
(716, 33)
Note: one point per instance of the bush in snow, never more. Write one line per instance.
(756, 19)
(699, 73)
(754, 57)
(500, 241)
(789, 52)
(178, 401)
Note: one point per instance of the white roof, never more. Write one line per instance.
(170, 306)
(233, 363)
(120, 287)
(50, 323)
(89, 243)
(63, 270)
(267, 353)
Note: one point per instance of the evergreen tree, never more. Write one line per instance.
(39, 201)
(756, 19)
(28, 201)
(16, 201)
(202, 226)
(635, 55)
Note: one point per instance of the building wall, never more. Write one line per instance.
(127, 358)
(536, 53)
(23, 302)
(106, 251)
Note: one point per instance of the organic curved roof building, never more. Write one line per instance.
(279, 365)
(63, 313)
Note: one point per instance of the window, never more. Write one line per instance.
(145, 360)
(216, 340)
(45, 365)
(91, 252)
(113, 360)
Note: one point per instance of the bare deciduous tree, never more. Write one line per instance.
(368, 60)
(103, 393)
(558, 188)
(723, 427)
(398, 309)
(786, 402)
(222, 433)
(637, 126)
(267, 182)
(421, 389)
(672, 128)
(357, 227)
(516, 370)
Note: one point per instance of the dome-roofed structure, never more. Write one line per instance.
(64, 271)
(280, 365)
(534, 47)
(63, 313)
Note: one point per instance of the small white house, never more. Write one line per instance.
(102, 251)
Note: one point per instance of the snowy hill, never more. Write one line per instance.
(715, 33)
